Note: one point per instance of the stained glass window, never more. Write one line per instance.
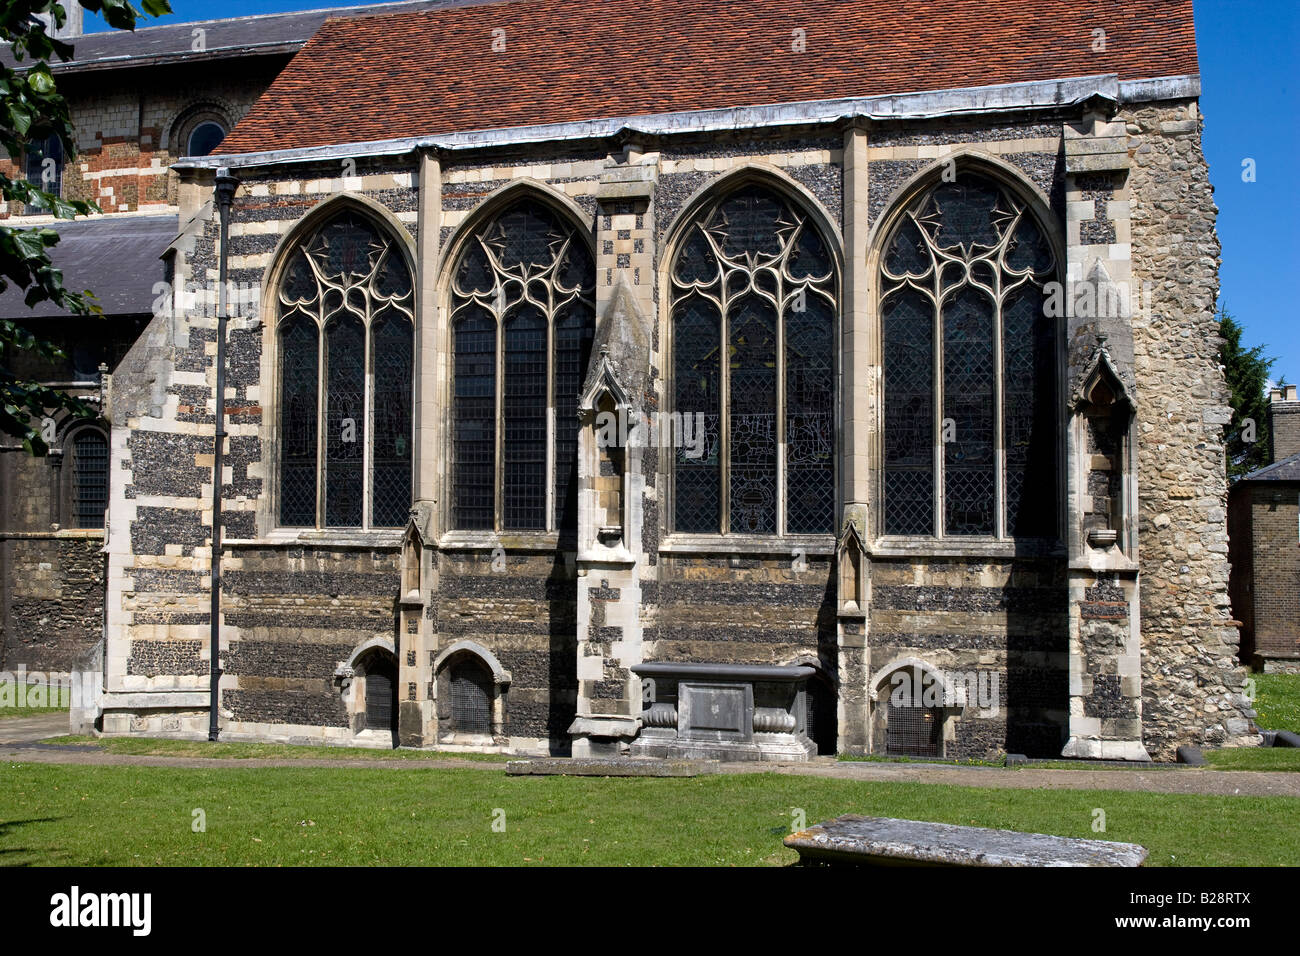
(909, 413)
(697, 378)
(752, 271)
(574, 329)
(524, 417)
(524, 289)
(346, 365)
(474, 435)
(965, 268)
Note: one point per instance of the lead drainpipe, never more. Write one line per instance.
(226, 185)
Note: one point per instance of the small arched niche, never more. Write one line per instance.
(471, 697)
(912, 706)
(369, 687)
(1103, 415)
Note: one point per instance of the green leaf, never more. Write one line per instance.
(41, 81)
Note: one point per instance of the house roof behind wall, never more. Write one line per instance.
(118, 258)
(1288, 469)
(415, 74)
(282, 33)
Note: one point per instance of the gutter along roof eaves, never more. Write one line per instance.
(930, 104)
(165, 59)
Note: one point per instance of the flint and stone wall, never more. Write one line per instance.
(1191, 680)
(564, 622)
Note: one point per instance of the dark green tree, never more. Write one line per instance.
(1247, 373)
(32, 111)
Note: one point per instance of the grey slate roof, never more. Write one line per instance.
(1288, 469)
(234, 36)
(115, 257)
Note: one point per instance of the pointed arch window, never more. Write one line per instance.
(346, 360)
(969, 367)
(522, 321)
(753, 325)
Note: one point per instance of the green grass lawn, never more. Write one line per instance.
(161, 747)
(9, 697)
(1254, 758)
(58, 814)
(1277, 701)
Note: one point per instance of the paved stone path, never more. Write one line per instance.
(20, 742)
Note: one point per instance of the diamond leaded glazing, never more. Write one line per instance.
(345, 307)
(524, 287)
(965, 268)
(753, 272)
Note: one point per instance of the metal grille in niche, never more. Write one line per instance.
(966, 268)
(346, 340)
(381, 681)
(753, 272)
(90, 478)
(913, 731)
(471, 699)
(523, 288)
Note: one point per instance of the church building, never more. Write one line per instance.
(689, 377)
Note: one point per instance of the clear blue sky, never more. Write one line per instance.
(1250, 69)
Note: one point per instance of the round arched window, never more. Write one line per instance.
(204, 138)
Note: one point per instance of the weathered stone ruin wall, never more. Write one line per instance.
(54, 599)
(1191, 681)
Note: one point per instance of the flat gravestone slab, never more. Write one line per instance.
(609, 767)
(884, 841)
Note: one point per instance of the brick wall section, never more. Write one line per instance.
(1191, 683)
(128, 135)
(1275, 533)
(748, 611)
(1284, 428)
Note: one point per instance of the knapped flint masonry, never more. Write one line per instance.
(697, 336)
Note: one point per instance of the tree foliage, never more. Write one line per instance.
(1247, 436)
(31, 111)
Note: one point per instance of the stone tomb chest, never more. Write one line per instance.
(724, 712)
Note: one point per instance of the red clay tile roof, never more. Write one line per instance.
(391, 76)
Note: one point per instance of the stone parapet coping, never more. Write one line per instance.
(1043, 95)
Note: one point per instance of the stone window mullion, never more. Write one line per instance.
(322, 403)
(499, 466)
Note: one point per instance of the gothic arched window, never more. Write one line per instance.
(754, 282)
(347, 345)
(522, 321)
(969, 367)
